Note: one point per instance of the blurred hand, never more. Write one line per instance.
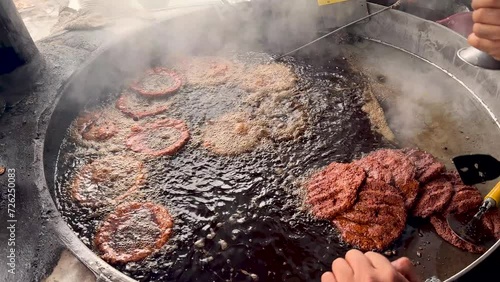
(486, 31)
(370, 266)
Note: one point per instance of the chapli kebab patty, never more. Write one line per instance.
(269, 78)
(95, 126)
(377, 218)
(133, 231)
(233, 134)
(159, 138)
(157, 82)
(334, 189)
(394, 168)
(491, 222)
(207, 70)
(427, 167)
(443, 229)
(465, 199)
(107, 180)
(433, 198)
(284, 119)
(137, 107)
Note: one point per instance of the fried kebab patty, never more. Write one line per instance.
(376, 219)
(433, 198)
(394, 168)
(157, 82)
(427, 167)
(233, 134)
(491, 222)
(443, 229)
(159, 138)
(95, 126)
(137, 107)
(133, 231)
(465, 199)
(334, 189)
(107, 180)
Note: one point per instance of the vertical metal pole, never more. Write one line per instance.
(20, 61)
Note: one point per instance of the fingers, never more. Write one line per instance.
(486, 31)
(405, 268)
(378, 261)
(330, 277)
(486, 16)
(478, 4)
(358, 261)
(341, 268)
(491, 47)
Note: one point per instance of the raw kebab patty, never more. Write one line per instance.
(394, 168)
(133, 231)
(376, 219)
(334, 189)
(427, 167)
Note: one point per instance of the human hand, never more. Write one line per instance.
(370, 266)
(486, 31)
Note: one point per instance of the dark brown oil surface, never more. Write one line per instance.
(239, 218)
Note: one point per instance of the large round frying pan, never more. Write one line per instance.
(432, 99)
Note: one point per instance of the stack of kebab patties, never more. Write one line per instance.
(369, 199)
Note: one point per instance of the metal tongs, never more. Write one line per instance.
(393, 6)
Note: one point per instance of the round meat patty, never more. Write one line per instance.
(334, 189)
(157, 82)
(107, 180)
(376, 220)
(443, 229)
(285, 119)
(95, 126)
(159, 138)
(433, 198)
(491, 221)
(427, 167)
(138, 107)
(465, 199)
(394, 168)
(270, 78)
(233, 134)
(133, 231)
(207, 70)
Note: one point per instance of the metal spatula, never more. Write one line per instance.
(470, 229)
(474, 169)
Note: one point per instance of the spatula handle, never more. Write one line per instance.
(494, 194)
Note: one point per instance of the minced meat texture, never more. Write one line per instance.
(137, 107)
(334, 189)
(443, 229)
(107, 180)
(159, 138)
(433, 198)
(376, 220)
(95, 126)
(427, 167)
(133, 231)
(491, 222)
(465, 199)
(394, 168)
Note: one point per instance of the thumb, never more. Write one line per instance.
(405, 268)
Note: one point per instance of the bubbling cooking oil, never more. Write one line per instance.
(241, 217)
